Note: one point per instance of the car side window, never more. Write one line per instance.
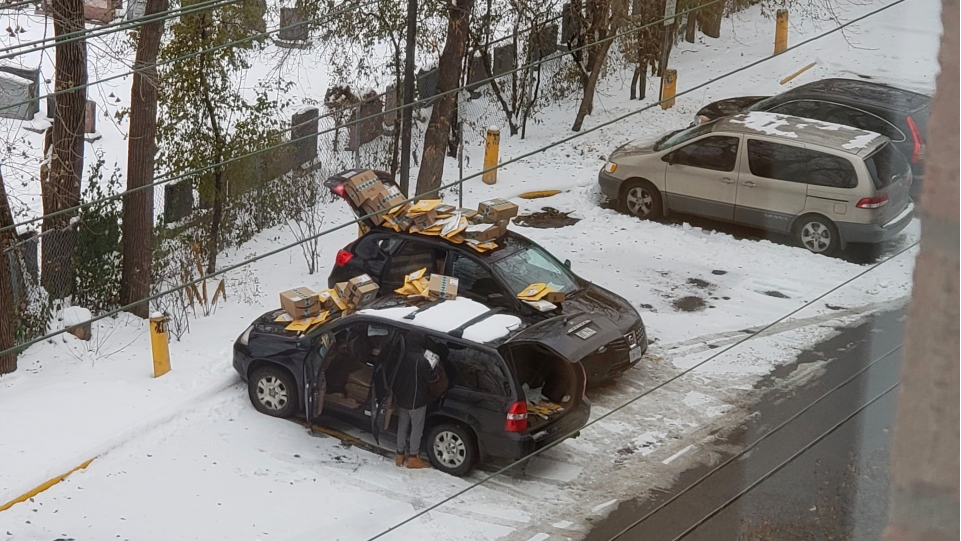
(717, 152)
(474, 279)
(796, 164)
(411, 257)
(477, 370)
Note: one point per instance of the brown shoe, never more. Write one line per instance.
(399, 460)
(416, 463)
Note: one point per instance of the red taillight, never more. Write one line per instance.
(338, 189)
(517, 417)
(918, 153)
(343, 257)
(873, 202)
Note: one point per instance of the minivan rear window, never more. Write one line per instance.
(886, 165)
(796, 164)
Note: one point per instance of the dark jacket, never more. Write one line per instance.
(412, 382)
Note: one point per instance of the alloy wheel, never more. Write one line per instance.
(816, 237)
(450, 449)
(639, 201)
(272, 392)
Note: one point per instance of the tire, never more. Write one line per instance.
(273, 391)
(641, 199)
(818, 235)
(451, 449)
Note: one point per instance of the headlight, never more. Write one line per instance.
(610, 167)
(246, 336)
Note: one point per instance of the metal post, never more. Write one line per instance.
(356, 138)
(780, 32)
(158, 344)
(408, 97)
(460, 164)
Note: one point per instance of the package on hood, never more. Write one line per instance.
(300, 302)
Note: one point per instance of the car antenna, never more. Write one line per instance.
(423, 307)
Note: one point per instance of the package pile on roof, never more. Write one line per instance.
(477, 228)
(304, 309)
(543, 297)
(436, 286)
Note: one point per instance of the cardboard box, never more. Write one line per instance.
(377, 215)
(424, 220)
(300, 302)
(482, 232)
(361, 290)
(341, 289)
(363, 186)
(442, 287)
(495, 210)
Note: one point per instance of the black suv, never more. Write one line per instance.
(494, 278)
(491, 366)
(901, 115)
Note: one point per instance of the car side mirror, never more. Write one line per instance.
(669, 158)
(567, 263)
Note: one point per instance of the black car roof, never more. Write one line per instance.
(455, 322)
(854, 91)
(506, 245)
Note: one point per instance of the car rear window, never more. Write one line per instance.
(886, 165)
(796, 164)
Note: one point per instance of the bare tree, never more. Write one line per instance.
(448, 77)
(138, 206)
(62, 190)
(600, 19)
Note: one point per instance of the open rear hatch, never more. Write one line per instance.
(336, 184)
(546, 360)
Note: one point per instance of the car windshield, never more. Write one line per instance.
(532, 265)
(677, 137)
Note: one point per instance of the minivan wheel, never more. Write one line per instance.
(451, 449)
(273, 391)
(641, 199)
(818, 235)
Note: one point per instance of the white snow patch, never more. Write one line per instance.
(860, 141)
(766, 123)
(647, 442)
(678, 454)
(75, 315)
(601, 507)
(492, 328)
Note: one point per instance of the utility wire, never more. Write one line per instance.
(782, 465)
(754, 444)
(419, 102)
(20, 347)
(86, 33)
(635, 399)
(4, 7)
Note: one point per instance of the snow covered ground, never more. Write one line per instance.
(185, 456)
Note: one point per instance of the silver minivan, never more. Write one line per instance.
(824, 183)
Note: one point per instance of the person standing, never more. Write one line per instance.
(411, 393)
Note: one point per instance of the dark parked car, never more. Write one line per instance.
(494, 278)
(901, 115)
(491, 365)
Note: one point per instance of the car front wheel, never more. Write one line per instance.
(273, 391)
(451, 449)
(818, 235)
(641, 199)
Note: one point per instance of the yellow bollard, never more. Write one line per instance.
(491, 149)
(668, 88)
(158, 344)
(780, 32)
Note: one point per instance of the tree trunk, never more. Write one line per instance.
(448, 77)
(8, 313)
(690, 31)
(138, 206)
(710, 19)
(590, 85)
(62, 190)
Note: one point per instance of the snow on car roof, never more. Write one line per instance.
(449, 315)
(837, 136)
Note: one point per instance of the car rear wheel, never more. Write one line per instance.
(641, 199)
(452, 449)
(273, 391)
(819, 235)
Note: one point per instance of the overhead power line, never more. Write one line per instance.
(416, 103)
(20, 347)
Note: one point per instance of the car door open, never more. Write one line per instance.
(315, 381)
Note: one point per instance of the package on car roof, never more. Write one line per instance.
(442, 287)
(478, 228)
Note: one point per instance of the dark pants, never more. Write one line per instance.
(412, 422)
